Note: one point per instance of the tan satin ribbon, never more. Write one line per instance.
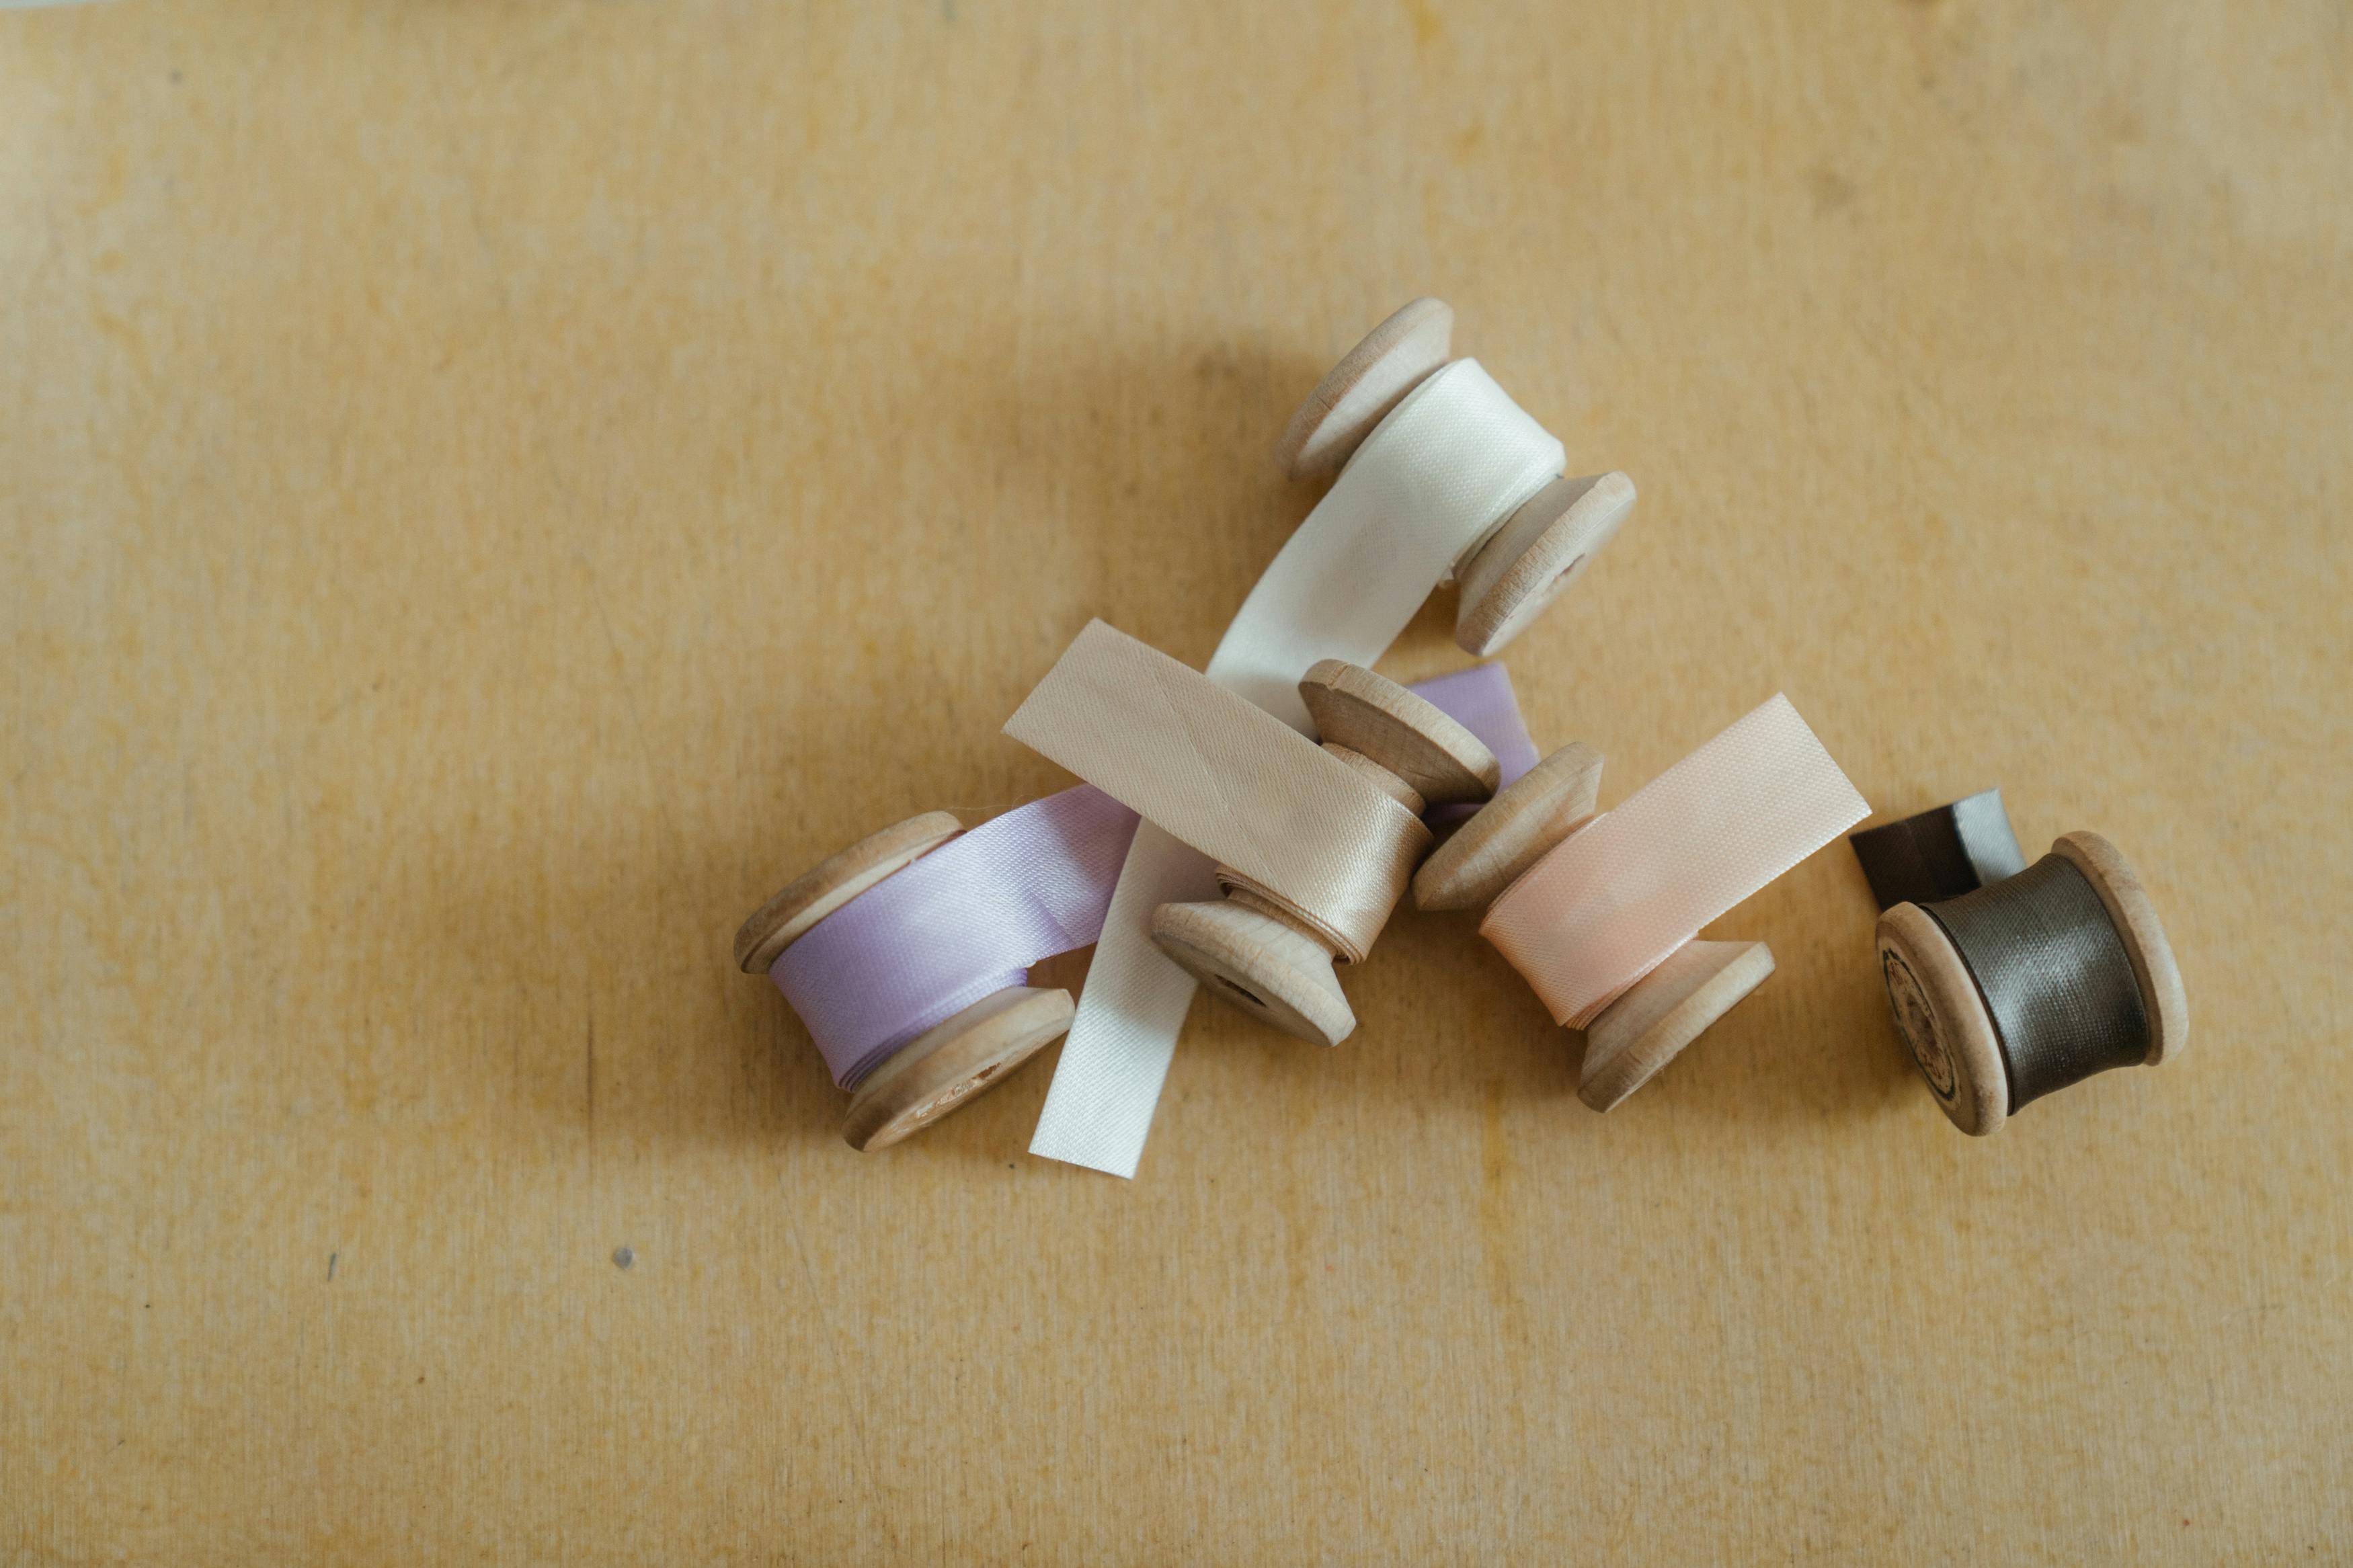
(1226, 779)
(1617, 898)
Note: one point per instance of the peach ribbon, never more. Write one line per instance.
(1615, 900)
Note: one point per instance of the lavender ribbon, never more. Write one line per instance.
(963, 922)
(969, 919)
(1480, 699)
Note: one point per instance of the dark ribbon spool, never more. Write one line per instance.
(2054, 975)
(2039, 943)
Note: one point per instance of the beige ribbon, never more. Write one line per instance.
(1439, 475)
(1280, 814)
(1616, 899)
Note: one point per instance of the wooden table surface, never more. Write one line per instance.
(491, 490)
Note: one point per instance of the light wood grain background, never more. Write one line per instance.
(491, 490)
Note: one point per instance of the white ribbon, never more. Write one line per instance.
(1431, 482)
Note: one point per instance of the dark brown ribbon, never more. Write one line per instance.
(2054, 975)
(1940, 853)
(2046, 957)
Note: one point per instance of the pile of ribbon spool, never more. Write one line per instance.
(1253, 824)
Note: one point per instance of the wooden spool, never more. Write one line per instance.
(1509, 576)
(947, 1065)
(1942, 1015)
(1274, 961)
(1667, 1009)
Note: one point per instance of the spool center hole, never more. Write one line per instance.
(1245, 992)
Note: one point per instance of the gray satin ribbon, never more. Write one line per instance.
(1940, 853)
(2054, 975)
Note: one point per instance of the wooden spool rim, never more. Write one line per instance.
(1527, 818)
(833, 882)
(1410, 736)
(1393, 359)
(1380, 777)
(2133, 914)
(1534, 557)
(1250, 958)
(954, 1063)
(1638, 1035)
(1943, 1020)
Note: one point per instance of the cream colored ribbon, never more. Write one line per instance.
(1432, 481)
(1226, 780)
(1616, 899)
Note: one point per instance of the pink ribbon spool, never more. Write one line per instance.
(1602, 926)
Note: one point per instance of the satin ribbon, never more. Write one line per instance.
(1615, 900)
(964, 922)
(2056, 980)
(1941, 853)
(1276, 812)
(1436, 477)
(967, 919)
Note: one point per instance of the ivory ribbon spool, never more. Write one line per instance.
(1509, 574)
(1600, 913)
(2032, 983)
(1447, 466)
(903, 975)
(1263, 952)
(1313, 846)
